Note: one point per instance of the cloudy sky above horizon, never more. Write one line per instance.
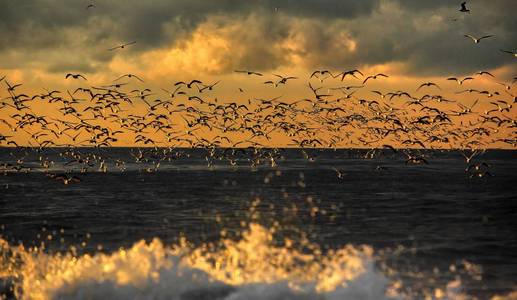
(45, 38)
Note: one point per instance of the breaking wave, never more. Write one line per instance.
(254, 266)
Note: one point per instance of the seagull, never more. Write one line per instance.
(249, 72)
(464, 7)
(122, 46)
(75, 76)
(428, 84)
(484, 73)
(339, 174)
(90, 6)
(129, 76)
(514, 53)
(460, 81)
(477, 40)
(374, 77)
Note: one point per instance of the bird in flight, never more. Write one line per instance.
(248, 72)
(75, 76)
(339, 173)
(464, 7)
(374, 77)
(485, 73)
(90, 6)
(514, 53)
(130, 76)
(121, 46)
(428, 84)
(477, 40)
(460, 81)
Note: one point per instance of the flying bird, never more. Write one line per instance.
(122, 46)
(75, 76)
(339, 173)
(129, 76)
(477, 40)
(428, 84)
(374, 77)
(90, 6)
(460, 81)
(464, 7)
(484, 73)
(248, 72)
(351, 73)
(514, 53)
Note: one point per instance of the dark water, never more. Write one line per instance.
(436, 208)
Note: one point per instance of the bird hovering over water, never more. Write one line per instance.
(339, 173)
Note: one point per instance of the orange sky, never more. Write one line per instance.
(284, 41)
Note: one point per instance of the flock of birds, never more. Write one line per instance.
(342, 110)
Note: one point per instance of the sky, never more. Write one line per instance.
(46, 38)
(412, 41)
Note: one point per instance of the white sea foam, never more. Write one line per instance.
(250, 268)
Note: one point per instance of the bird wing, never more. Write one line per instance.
(471, 37)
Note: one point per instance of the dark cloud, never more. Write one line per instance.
(419, 33)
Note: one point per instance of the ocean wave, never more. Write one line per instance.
(254, 266)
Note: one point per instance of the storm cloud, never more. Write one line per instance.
(426, 37)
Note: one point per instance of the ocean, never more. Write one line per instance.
(237, 224)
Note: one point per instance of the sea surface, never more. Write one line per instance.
(318, 224)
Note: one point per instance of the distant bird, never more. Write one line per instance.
(283, 79)
(477, 40)
(317, 73)
(129, 76)
(416, 160)
(381, 168)
(351, 73)
(460, 81)
(374, 77)
(248, 72)
(428, 84)
(90, 6)
(75, 76)
(339, 174)
(464, 7)
(65, 179)
(506, 86)
(484, 73)
(514, 53)
(189, 84)
(122, 46)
